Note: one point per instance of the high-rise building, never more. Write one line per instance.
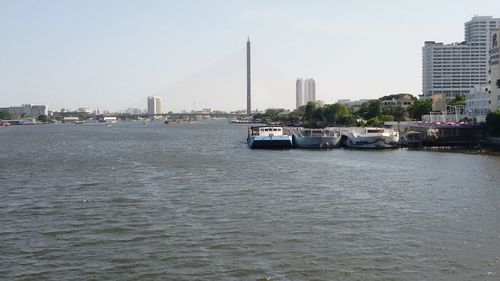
(299, 92)
(309, 90)
(154, 105)
(454, 69)
(495, 71)
(305, 91)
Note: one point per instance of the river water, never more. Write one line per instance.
(192, 202)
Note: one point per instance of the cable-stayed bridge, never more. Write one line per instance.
(222, 86)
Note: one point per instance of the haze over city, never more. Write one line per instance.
(113, 54)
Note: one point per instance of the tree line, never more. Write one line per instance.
(370, 113)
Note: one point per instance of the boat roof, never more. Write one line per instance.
(258, 127)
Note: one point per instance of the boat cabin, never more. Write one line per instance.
(266, 131)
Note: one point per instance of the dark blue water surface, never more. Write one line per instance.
(192, 202)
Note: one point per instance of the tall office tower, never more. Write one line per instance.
(249, 81)
(494, 86)
(454, 69)
(299, 92)
(309, 90)
(154, 105)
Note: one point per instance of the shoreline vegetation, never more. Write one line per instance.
(370, 113)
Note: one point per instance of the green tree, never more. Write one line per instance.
(257, 116)
(5, 115)
(370, 109)
(493, 123)
(419, 108)
(43, 118)
(399, 113)
(384, 118)
(309, 111)
(296, 115)
(374, 122)
(339, 114)
(458, 100)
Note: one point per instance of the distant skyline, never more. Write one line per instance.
(113, 54)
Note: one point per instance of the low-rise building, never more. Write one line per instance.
(85, 109)
(27, 110)
(399, 100)
(478, 100)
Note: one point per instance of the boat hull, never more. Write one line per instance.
(270, 142)
(316, 141)
(371, 142)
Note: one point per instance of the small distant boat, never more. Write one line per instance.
(268, 137)
(109, 120)
(316, 138)
(4, 123)
(372, 138)
(241, 121)
(79, 122)
(179, 121)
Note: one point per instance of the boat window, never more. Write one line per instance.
(275, 129)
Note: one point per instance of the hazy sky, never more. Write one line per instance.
(113, 54)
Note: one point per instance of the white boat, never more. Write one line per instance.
(371, 138)
(316, 138)
(268, 137)
(109, 120)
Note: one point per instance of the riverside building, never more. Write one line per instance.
(485, 98)
(495, 71)
(27, 110)
(454, 69)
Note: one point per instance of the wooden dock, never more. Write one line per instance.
(445, 135)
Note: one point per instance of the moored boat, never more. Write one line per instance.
(371, 138)
(316, 138)
(4, 123)
(268, 137)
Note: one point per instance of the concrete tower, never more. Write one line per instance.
(249, 81)
(299, 92)
(309, 90)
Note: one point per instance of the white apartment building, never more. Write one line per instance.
(485, 98)
(454, 69)
(154, 105)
